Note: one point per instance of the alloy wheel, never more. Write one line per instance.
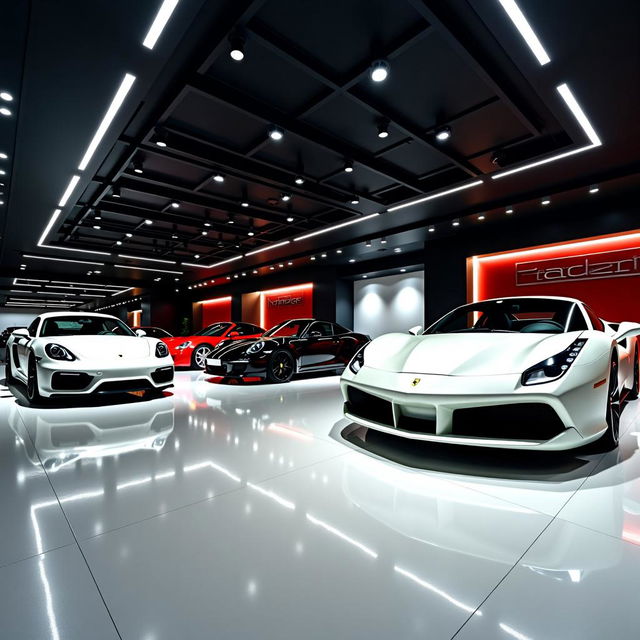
(200, 356)
(613, 405)
(282, 366)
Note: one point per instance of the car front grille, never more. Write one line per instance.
(164, 374)
(370, 407)
(70, 380)
(122, 386)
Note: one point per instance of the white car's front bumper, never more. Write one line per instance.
(497, 411)
(58, 378)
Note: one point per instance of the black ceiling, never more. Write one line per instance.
(306, 68)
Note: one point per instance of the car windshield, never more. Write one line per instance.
(213, 329)
(84, 326)
(513, 315)
(288, 329)
(156, 332)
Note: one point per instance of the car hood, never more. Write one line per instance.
(106, 347)
(464, 354)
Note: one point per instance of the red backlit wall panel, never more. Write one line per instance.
(604, 272)
(286, 303)
(215, 310)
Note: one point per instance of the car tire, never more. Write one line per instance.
(280, 367)
(611, 436)
(635, 387)
(8, 375)
(33, 391)
(200, 355)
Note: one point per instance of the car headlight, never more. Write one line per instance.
(357, 362)
(184, 345)
(256, 347)
(58, 352)
(553, 368)
(162, 351)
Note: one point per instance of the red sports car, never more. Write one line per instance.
(193, 351)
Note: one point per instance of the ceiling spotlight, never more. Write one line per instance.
(285, 197)
(480, 217)
(365, 276)
(218, 177)
(281, 265)
(271, 268)
(231, 219)
(251, 231)
(118, 242)
(7, 97)
(324, 255)
(3, 172)
(254, 271)
(4, 111)
(545, 202)
(299, 180)
(397, 250)
(432, 229)
(290, 218)
(352, 259)
(137, 166)
(3, 156)
(160, 138)
(443, 133)
(174, 236)
(383, 240)
(129, 235)
(355, 200)
(313, 257)
(115, 192)
(276, 133)
(207, 224)
(383, 129)
(594, 189)
(379, 71)
(338, 250)
(204, 233)
(175, 204)
(348, 166)
(237, 49)
(509, 211)
(196, 256)
(96, 226)
(289, 263)
(367, 243)
(147, 221)
(403, 270)
(456, 223)
(244, 204)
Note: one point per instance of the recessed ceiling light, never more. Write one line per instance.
(3, 172)
(355, 200)
(96, 226)
(196, 256)
(251, 232)
(397, 250)
(403, 270)
(137, 166)
(271, 268)
(289, 263)
(236, 52)
(365, 276)
(509, 211)
(432, 229)
(175, 204)
(313, 257)
(118, 242)
(281, 265)
(443, 133)
(285, 197)
(218, 177)
(379, 71)
(244, 204)
(159, 23)
(129, 235)
(299, 180)
(594, 189)
(338, 250)
(383, 240)
(480, 217)
(204, 233)
(255, 271)
(367, 243)
(290, 218)
(3, 156)
(207, 224)
(276, 133)
(348, 166)
(522, 25)
(456, 223)
(147, 221)
(4, 111)
(352, 259)
(231, 219)
(115, 192)
(324, 255)
(7, 97)
(545, 202)
(383, 130)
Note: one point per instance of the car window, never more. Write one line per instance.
(33, 327)
(245, 329)
(289, 329)
(156, 332)
(595, 321)
(324, 328)
(338, 330)
(214, 330)
(83, 326)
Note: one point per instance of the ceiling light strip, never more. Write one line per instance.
(526, 31)
(335, 226)
(126, 266)
(269, 248)
(116, 103)
(69, 190)
(106, 286)
(54, 216)
(440, 194)
(26, 255)
(49, 246)
(159, 23)
(122, 255)
(118, 293)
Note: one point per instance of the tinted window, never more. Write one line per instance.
(217, 329)
(595, 321)
(339, 330)
(33, 327)
(84, 326)
(290, 328)
(245, 329)
(156, 332)
(323, 328)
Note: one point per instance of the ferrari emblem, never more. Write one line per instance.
(415, 382)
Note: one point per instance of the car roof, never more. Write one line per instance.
(80, 314)
(531, 298)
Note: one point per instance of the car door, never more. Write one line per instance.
(243, 331)
(21, 349)
(319, 346)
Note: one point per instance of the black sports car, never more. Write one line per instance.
(294, 346)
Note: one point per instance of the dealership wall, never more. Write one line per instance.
(18, 318)
(390, 303)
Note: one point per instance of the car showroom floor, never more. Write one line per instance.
(255, 512)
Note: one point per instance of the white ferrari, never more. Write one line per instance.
(519, 373)
(73, 353)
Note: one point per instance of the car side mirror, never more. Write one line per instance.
(315, 334)
(627, 330)
(141, 333)
(415, 330)
(23, 333)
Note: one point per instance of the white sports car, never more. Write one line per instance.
(519, 373)
(73, 353)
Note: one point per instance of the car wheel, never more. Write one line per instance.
(200, 355)
(280, 367)
(635, 388)
(33, 391)
(612, 434)
(8, 374)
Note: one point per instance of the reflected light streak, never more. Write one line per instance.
(212, 465)
(53, 623)
(434, 589)
(290, 432)
(513, 632)
(341, 535)
(274, 496)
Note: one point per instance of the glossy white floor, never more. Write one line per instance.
(253, 512)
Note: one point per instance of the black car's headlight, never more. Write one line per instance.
(256, 347)
(162, 351)
(58, 352)
(357, 362)
(553, 368)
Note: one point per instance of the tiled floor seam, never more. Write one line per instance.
(35, 555)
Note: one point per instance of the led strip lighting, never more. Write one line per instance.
(159, 23)
(522, 25)
(125, 266)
